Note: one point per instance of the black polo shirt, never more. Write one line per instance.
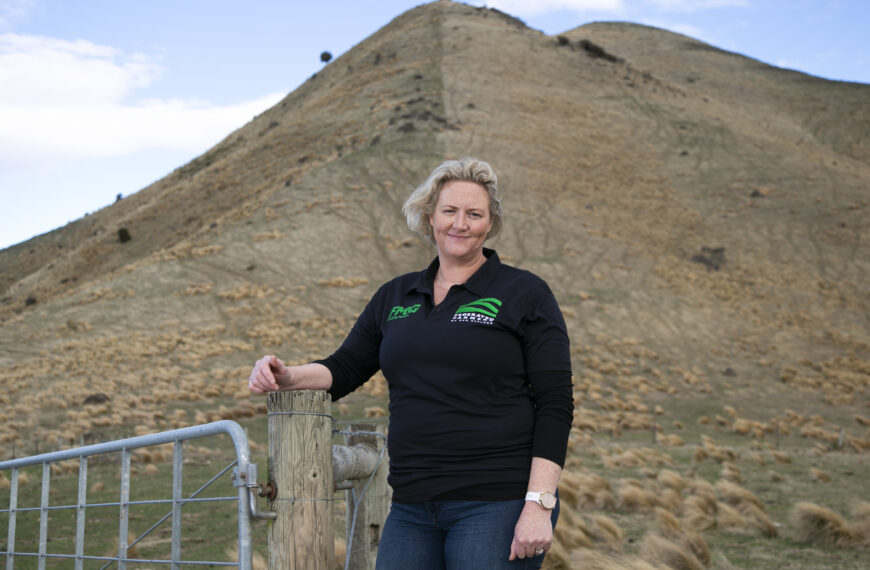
(478, 384)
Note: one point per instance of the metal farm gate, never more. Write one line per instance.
(244, 480)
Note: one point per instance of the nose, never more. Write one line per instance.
(460, 221)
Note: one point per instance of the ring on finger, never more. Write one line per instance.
(539, 551)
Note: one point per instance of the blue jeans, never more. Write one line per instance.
(453, 535)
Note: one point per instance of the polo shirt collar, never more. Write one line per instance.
(476, 284)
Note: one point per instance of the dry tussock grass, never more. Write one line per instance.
(819, 476)
(594, 560)
(861, 525)
(729, 518)
(592, 491)
(667, 522)
(632, 496)
(818, 525)
(267, 236)
(607, 532)
(730, 472)
(198, 289)
(735, 495)
(202, 251)
(660, 550)
(104, 294)
(246, 291)
(572, 531)
(344, 282)
(375, 412)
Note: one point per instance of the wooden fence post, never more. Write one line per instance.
(374, 504)
(300, 466)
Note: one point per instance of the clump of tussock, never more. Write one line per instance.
(667, 522)
(606, 531)
(375, 412)
(861, 525)
(634, 497)
(781, 457)
(594, 560)
(571, 532)
(757, 458)
(819, 525)
(569, 485)
(819, 476)
(700, 508)
(749, 505)
(657, 549)
(672, 440)
(760, 521)
(775, 476)
(730, 472)
(736, 495)
(670, 500)
(594, 491)
(729, 518)
(672, 480)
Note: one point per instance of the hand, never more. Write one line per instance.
(534, 531)
(266, 373)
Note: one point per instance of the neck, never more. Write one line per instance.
(456, 271)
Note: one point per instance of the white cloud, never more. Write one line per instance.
(61, 101)
(47, 71)
(11, 10)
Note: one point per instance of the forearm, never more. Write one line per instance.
(544, 475)
(312, 376)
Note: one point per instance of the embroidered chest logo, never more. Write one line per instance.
(482, 311)
(398, 312)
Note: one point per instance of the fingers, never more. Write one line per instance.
(526, 550)
(262, 378)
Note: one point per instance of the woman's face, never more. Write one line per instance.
(461, 220)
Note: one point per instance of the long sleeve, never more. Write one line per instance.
(552, 394)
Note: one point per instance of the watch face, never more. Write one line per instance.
(548, 500)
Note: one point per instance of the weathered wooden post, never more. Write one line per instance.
(300, 466)
(374, 495)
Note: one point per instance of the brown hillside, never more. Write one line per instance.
(702, 218)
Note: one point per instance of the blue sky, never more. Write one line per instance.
(103, 97)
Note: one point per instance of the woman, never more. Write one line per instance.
(476, 356)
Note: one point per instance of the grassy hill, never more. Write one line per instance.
(701, 216)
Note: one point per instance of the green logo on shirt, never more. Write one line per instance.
(482, 311)
(398, 312)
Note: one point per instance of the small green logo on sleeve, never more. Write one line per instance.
(398, 312)
(482, 311)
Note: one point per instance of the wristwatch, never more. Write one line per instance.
(544, 498)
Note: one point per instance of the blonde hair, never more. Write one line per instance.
(421, 203)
